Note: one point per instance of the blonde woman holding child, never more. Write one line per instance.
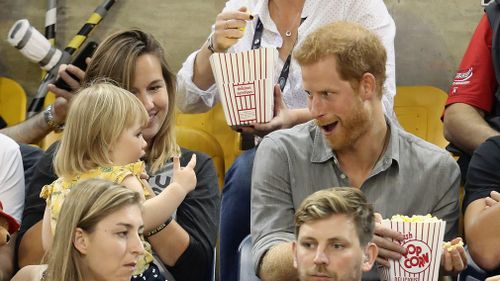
(136, 61)
(103, 139)
(98, 236)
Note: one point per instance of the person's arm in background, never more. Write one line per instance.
(12, 188)
(482, 205)
(12, 197)
(36, 128)
(277, 263)
(482, 228)
(195, 81)
(7, 259)
(471, 94)
(465, 127)
(191, 237)
(228, 29)
(272, 214)
(32, 130)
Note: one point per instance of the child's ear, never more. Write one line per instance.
(80, 241)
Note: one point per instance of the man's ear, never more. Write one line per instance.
(369, 256)
(368, 86)
(80, 241)
(294, 254)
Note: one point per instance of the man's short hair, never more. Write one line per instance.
(347, 201)
(356, 49)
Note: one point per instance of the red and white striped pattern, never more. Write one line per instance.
(424, 242)
(245, 83)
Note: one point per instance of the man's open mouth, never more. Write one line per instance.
(329, 127)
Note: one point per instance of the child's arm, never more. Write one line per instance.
(46, 230)
(133, 183)
(161, 207)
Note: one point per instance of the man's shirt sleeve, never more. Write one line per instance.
(474, 83)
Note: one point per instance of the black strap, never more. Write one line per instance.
(248, 140)
(259, 28)
(256, 42)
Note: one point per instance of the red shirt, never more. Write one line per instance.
(475, 82)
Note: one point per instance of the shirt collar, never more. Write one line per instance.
(261, 11)
(392, 150)
(322, 151)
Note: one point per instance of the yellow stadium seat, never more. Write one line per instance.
(213, 122)
(12, 101)
(198, 140)
(419, 110)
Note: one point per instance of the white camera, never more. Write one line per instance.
(35, 46)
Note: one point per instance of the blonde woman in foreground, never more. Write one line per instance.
(98, 236)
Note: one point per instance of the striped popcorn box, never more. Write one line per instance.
(423, 240)
(245, 82)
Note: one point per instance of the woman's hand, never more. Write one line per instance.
(229, 28)
(185, 176)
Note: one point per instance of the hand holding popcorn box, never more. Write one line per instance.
(423, 240)
(245, 83)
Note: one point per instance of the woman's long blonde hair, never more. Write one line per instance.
(98, 116)
(86, 205)
(116, 58)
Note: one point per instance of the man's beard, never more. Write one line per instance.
(353, 126)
